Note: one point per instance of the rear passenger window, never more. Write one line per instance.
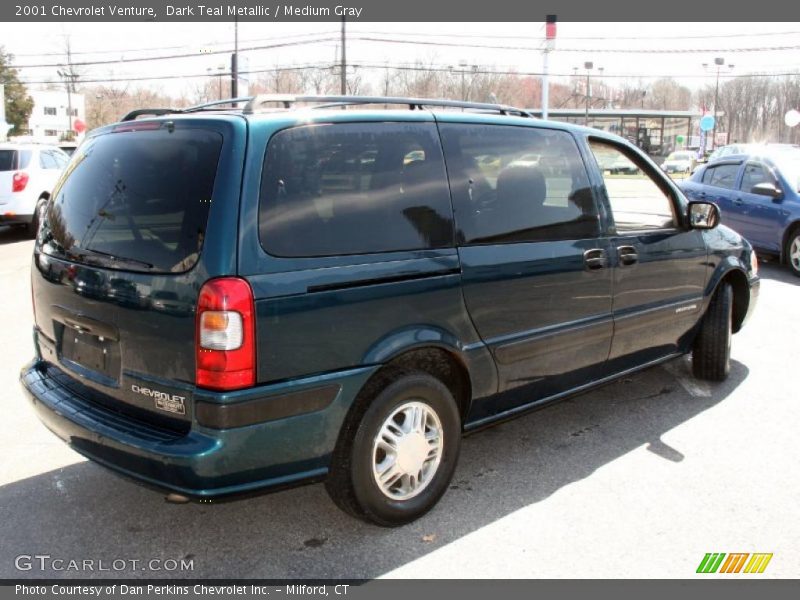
(354, 188)
(722, 176)
(517, 184)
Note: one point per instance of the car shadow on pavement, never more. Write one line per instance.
(13, 235)
(774, 270)
(83, 512)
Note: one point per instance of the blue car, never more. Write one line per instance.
(759, 197)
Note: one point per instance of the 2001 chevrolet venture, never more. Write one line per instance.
(229, 298)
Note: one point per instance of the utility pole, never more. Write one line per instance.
(69, 76)
(718, 62)
(343, 67)
(235, 60)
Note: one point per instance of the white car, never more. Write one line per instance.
(28, 173)
(681, 161)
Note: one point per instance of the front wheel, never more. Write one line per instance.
(711, 355)
(793, 251)
(397, 461)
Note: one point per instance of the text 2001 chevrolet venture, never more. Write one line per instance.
(232, 299)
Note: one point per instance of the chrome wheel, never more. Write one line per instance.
(794, 253)
(407, 451)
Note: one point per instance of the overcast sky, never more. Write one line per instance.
(690, 45)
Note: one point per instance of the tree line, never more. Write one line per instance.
(751, 108)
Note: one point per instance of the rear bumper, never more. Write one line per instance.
(204, 462)
(17, 208)
(12, 218)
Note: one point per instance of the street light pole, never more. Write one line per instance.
(719, 61)
(588, 65)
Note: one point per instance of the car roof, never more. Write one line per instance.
(27, 146)
(292, 110)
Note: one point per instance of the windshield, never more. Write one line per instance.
(789, 166)
(12, 160)
(135, 200)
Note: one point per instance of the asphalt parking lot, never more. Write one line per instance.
(640, 478)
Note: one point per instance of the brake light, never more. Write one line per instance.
(137, 126)
(225, 340)
(19, 181)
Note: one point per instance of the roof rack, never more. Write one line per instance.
(413, 103)
(255, 104)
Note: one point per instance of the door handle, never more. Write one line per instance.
(701, 194)
(627, 255)
(738, 202)
(595, 259)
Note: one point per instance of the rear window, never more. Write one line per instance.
(722, 176)
(12, 160)
(354, 188)
(135, 200)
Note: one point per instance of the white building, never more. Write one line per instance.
(49, 121)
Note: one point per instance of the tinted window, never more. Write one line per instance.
(135, 200)
(47, 161)
(517, 184)
(722, 176)
(753, 175)
(637, 200)
(354, 188)
(60, 158)
(8, 160)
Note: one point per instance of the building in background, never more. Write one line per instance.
(50, 121)
(657, 132)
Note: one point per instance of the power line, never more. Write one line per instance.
(176, 56)
(591, 38)
(428, 68)
(161, 48)
(421, 43)
(588, 50)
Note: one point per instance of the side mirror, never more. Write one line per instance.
(767, 189)
(703, 215)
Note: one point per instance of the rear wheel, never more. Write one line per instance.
(793, 251)
(711, 355)
(398, 453)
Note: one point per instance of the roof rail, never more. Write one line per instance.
(413, 103)
(151, 112)
(254, 103)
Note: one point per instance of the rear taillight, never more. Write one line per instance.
(225, 340)
(19, 181)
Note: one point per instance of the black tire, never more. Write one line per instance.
(351, 482)
(793, 261)
(33, 226)
(711, 355)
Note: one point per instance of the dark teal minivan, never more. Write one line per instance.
(307, 288)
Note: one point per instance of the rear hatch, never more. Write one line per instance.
(12, 160)
(119, 261)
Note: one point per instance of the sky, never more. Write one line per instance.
(622, 50)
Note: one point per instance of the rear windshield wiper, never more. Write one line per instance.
(116, 260)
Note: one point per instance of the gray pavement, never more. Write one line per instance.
(637, 479)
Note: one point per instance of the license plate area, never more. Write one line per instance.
(90, 352)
